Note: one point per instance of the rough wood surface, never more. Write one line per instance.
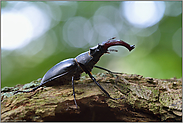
(146, 99)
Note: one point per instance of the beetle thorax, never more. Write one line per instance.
(85, 59)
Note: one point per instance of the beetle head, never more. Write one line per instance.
(100, 49)
(112, 42)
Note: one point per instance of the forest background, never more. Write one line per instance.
(37, 35)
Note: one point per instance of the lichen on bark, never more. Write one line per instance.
(146, 99)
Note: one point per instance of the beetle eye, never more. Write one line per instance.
(93, 49)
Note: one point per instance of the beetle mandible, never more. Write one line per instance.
(71, 69)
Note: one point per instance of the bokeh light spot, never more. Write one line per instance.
(177, 42)
(74, 31)
(21, 24)
(143, 13)
(16, 30)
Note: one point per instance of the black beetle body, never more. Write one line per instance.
(61, 72)
(71, 69)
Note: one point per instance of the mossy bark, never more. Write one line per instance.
(146, 99)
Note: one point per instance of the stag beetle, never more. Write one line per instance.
(71, 69)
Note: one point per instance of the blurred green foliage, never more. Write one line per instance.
(156, 55)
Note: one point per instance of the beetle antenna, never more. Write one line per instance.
(111, 38)
(113, 50)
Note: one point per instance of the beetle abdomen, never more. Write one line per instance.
(61, 73)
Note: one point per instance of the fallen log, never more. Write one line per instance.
(146, 99)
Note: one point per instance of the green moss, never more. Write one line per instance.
(131, 99)
(123, 88)
(154, 107)
(32, 84)
(113, 103)
(144, 92)
(7, 89)
(171, 100)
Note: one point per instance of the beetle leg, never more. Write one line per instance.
(102, 87)
(112, 73)
(107, 70)
(74, 92)
(90, 74)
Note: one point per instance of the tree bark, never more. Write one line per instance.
(146, 99)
